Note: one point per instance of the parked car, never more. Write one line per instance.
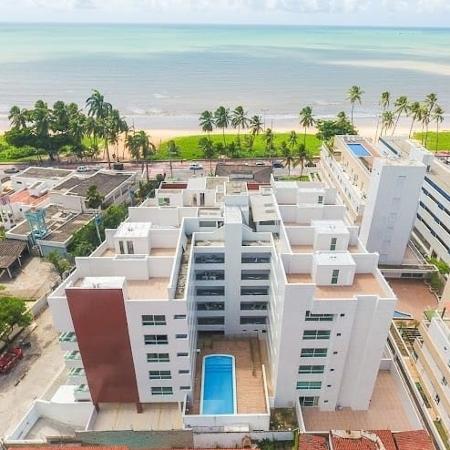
(82, 169)
(195, 166)
(12, 170)
(9, 359)
(260, 163)
(277, 165)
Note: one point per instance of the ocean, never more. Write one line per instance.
(163, 76)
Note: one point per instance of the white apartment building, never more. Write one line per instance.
(273, 278)
(380, 192)
(432, 225)
(432, 350)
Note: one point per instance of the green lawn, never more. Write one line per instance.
(189, 145)
(443, 142)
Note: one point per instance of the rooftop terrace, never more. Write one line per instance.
(123, 416)
(363, 284)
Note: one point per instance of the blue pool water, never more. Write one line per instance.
(218, 385)
(358, 150)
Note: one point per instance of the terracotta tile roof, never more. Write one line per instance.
(357, 440)
(312, 442)
(413, 440)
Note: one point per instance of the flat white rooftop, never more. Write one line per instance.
(330, 226)
(133, 230)
(334, 259)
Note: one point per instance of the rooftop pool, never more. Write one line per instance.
(358, 150)
(218, 394)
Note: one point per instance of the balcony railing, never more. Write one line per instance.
(72, 356)
(69, 336)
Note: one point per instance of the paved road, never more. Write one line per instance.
(32, 376)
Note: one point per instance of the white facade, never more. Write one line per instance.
(380, 191)
(433, 359)
(307, 288)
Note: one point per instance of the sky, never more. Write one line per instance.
(427, 13)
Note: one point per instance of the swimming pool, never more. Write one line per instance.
(218, 394)
(358, 150)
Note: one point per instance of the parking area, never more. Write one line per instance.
(42, 363)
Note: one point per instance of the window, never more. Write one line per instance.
(182, 355)
(333, 244)
(210, 291)
(210, 258)
(153, 320)
(207, 224)
(179, 316)
(207, 275)
(314, 352)
(210, 306)
(211, 320)
(320, 199)
(444, 381)
(162, 390)
(311, 369)
(155, 339)
(249, 290)
(253, 306)
(260, 258)
(185, 388)
(253, 320)
(316, 334)
(183, 371)
(335, 276)
(159, 375)
(309, 317)
(164, 201)
(181, 336)
(157, 357)
(255, 275)
(121, 248)
(309, 385)
(130, 247)
(309, 401)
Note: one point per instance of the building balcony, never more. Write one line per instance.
(77, 376)
(68, 341)
(72, 360)
(81, 393)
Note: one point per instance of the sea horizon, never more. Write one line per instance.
(163, 75)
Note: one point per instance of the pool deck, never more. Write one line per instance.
(249, 356)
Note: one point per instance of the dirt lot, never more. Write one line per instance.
(31, 377)
(34, 279)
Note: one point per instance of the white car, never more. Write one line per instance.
(82, 169)
(195, 166)
(260, 163)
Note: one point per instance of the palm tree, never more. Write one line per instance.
(268, 139)
(100, 110)
(207, 121)
(302, 156)
(292, 141)
(256, 125)
(141, 147)
(385, 100)
(415, 112)
(387, 121)
(289, 159)
(438, 116)
(208, 150)
(430, 102)
(401, 105)
(239, 119)
(306, 120)
(222, 120)
(354, 94)
(172, 150)
(18, 117)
